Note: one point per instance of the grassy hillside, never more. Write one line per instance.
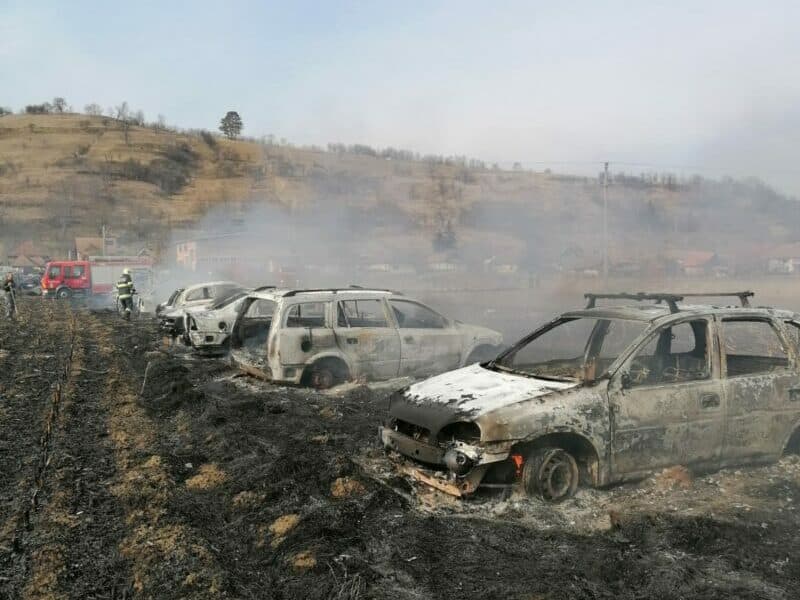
(66, 175)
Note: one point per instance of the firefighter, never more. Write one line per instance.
(9, 299)
(125, 293)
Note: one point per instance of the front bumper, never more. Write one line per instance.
(408, 451)
(421, 451)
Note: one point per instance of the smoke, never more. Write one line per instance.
(501, 249)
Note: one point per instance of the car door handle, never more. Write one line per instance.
(794, 394)
(709, 401)
(408, 339)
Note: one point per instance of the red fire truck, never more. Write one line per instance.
(94, 277)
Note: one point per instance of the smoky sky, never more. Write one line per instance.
(707, 87)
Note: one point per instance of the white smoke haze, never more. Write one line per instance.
(508, 257)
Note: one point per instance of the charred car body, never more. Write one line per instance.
(608, 394)
(209, 329)
(171, 314)
(324, 337)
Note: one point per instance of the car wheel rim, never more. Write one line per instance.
(322, 379)
(557, 476)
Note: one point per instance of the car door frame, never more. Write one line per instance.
(361, 345)
(766, 410)
(697, 410)
(420, 359)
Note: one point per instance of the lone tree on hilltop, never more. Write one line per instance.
(231, 124)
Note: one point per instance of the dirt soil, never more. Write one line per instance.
(197, 483)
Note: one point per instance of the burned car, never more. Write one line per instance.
(171, 315)
(324, 337)
(608, 394)
(208, 329)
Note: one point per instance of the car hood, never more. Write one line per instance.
(474, 390)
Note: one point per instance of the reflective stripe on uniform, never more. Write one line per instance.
(124, 289)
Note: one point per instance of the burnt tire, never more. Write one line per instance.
(63, 294)
(326, 373)
(322, 377)
(550, 474)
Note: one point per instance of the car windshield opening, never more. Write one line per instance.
(227, 299)
(573, 349)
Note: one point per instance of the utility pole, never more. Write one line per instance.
(104, 239)
(605, 226)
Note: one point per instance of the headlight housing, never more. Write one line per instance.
(466, 432)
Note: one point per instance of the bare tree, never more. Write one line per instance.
(123, 115)
(126, 130)
(122, 111)
(93, 109)
(160, 124)
(138, 118)
(59, 104)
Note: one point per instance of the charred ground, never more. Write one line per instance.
(201, 484)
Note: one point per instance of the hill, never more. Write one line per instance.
(65, 175)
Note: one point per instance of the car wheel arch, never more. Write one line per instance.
(791, 444)
(338, 361)
(580, 446)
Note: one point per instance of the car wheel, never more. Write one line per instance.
(322, 377)
(550, 474)
(63, 293)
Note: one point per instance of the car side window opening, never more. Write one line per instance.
(675, 354)
(361, 313)
(411, 315)
(77, 271)
(306, 314)
(752, 346)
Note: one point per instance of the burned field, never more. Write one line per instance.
(130, 471)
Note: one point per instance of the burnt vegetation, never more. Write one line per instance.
(199, 484)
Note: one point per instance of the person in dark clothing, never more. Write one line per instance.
(9, 296)
(125, 293)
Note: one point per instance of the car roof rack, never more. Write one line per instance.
(671, 299)
(744, 297)
(264, 287)
(352, 288)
